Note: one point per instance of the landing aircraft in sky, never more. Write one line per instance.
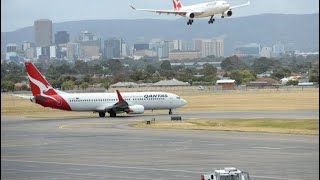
(102, 103)
(208, 9)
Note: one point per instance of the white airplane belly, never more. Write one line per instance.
(82, 106)
(211, 12)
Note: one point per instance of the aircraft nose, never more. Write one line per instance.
(184, 102)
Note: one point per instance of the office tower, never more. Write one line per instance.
(61, 37)
(43, 32)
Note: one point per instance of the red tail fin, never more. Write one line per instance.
(119, 96)
(38, 83)
(177, 5)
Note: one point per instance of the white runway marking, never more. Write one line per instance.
(269, 148)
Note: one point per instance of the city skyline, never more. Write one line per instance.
(13, 14)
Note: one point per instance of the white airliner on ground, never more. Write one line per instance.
(112, 103)
(208, 9)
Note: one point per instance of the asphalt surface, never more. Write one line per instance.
(106, 148)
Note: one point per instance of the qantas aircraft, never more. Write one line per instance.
(208, 9)
(112, 103)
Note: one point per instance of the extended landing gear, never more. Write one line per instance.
(190, 22)
(211, 20)
(170, 111)
(102, 114)
(113, 114)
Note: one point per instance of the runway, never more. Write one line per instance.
(107, 148)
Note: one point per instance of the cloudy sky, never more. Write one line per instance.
(17, 14)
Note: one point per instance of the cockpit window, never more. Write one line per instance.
(178, 97)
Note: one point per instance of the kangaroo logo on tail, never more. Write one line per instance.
(39, 85)
(177, 5)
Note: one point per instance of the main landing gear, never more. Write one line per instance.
(170, 111)
(190, 22)
(211, 20)
(102, 114)
(113, 114)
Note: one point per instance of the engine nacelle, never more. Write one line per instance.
(190, 15)
(228, 13)
(136, 109)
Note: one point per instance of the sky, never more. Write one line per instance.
(17, 14)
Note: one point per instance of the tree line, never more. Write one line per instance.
(80, 74)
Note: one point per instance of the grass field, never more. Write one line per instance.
(293, 99)
(264, 100)
(287, 126)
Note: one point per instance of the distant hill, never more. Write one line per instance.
(296, 31)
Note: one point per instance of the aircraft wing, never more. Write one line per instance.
(120, 106)
(181, 13)
(241, 5)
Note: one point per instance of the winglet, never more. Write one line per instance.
(132, 7)
(119, 96)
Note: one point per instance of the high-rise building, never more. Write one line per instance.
(252, 49)
(197, 44)
(53, 51)
(11, 52)
(209, 47)
(12, 47)
(87, 36)
(112, 48)
(61, 37)
(125, 49)
(266, 52)
(141, 46)
(187, 45)
(73, 51)
(278, 49)
(90, 45)
(177, 45)
(154, 43)
(219, 52)
(26, 45)
(165, 49)
(43, 32)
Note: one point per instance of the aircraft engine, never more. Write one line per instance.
(228, 13)
(136, 109)
(190, 15)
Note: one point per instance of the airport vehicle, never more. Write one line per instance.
(102, 103)
(208, 9)
(227, 173)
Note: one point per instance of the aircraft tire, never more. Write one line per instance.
(113, 114)
(102, 114)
